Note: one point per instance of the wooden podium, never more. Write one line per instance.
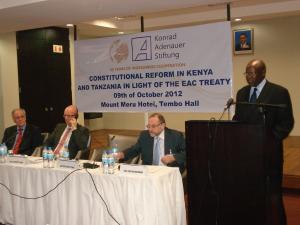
(226, 173)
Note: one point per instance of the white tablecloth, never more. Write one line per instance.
(155, 199)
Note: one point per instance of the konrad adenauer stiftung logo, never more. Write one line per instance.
(141, 48)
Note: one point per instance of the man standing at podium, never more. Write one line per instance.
(277, 115)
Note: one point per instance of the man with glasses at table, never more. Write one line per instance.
(158, 145)
(22, 138)
(69, 134)
(279, 120)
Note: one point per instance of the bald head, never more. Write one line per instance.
(255, 72)
(70, 114)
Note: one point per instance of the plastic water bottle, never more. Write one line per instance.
(50, 158)
(115, 150)
(45, 157)
(105, 162)
(2, 153)
(111, 162)
(65, 153)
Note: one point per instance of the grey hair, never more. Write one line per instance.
(18, 109)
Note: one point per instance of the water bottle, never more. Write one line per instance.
(65, 153)
(105, 162)
(50, 158)
(1, 153)
(45, 157)
(4, 147)
(115, 150)
(111, 162)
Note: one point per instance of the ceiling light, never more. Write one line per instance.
(118, 18)
(102, 23)
(70, 25)
(237, 19)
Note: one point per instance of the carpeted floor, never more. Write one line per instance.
(292, 208)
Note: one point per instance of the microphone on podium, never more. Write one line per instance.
(229, 103)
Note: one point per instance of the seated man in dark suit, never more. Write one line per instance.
(70, 133)
(22, 138)
(158, 145)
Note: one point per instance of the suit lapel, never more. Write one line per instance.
(25, 137)
(167, 141)
(246, 95)
(264, 93)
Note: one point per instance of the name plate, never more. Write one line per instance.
(34, 160)
(133, 169)
(67, 163)
(22, 159)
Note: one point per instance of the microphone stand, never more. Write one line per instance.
(228, 113)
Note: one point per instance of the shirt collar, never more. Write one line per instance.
(22, 127)
(162, 135)
(259, 87)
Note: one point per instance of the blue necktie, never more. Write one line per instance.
(156, 152)
(253, 96)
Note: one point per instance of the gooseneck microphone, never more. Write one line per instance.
(229, 103)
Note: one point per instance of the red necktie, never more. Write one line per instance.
(62, 141)
(18, 142)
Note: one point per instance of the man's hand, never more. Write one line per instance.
(167, 159)
(119, 155)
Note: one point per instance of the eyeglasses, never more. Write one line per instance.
(68, 116)
(153, 126)
(19, 117)
(252, 74)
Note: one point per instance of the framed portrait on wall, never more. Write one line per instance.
(243, 41)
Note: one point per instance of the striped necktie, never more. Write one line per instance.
(62, 141)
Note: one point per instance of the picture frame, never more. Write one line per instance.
(243, 41)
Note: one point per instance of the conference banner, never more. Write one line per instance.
(175, 70)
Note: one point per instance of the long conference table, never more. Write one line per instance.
(153, 199)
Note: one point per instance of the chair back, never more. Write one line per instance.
(97, 154)
(44, 136)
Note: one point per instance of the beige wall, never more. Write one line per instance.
(9, 94)
(277, 41)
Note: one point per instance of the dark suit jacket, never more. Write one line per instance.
(78, 140)
(174, 140)
(279, 120)
(31, 138)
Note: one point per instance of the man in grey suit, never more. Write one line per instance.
(277, 115)
(158, 145)
(70, 133)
